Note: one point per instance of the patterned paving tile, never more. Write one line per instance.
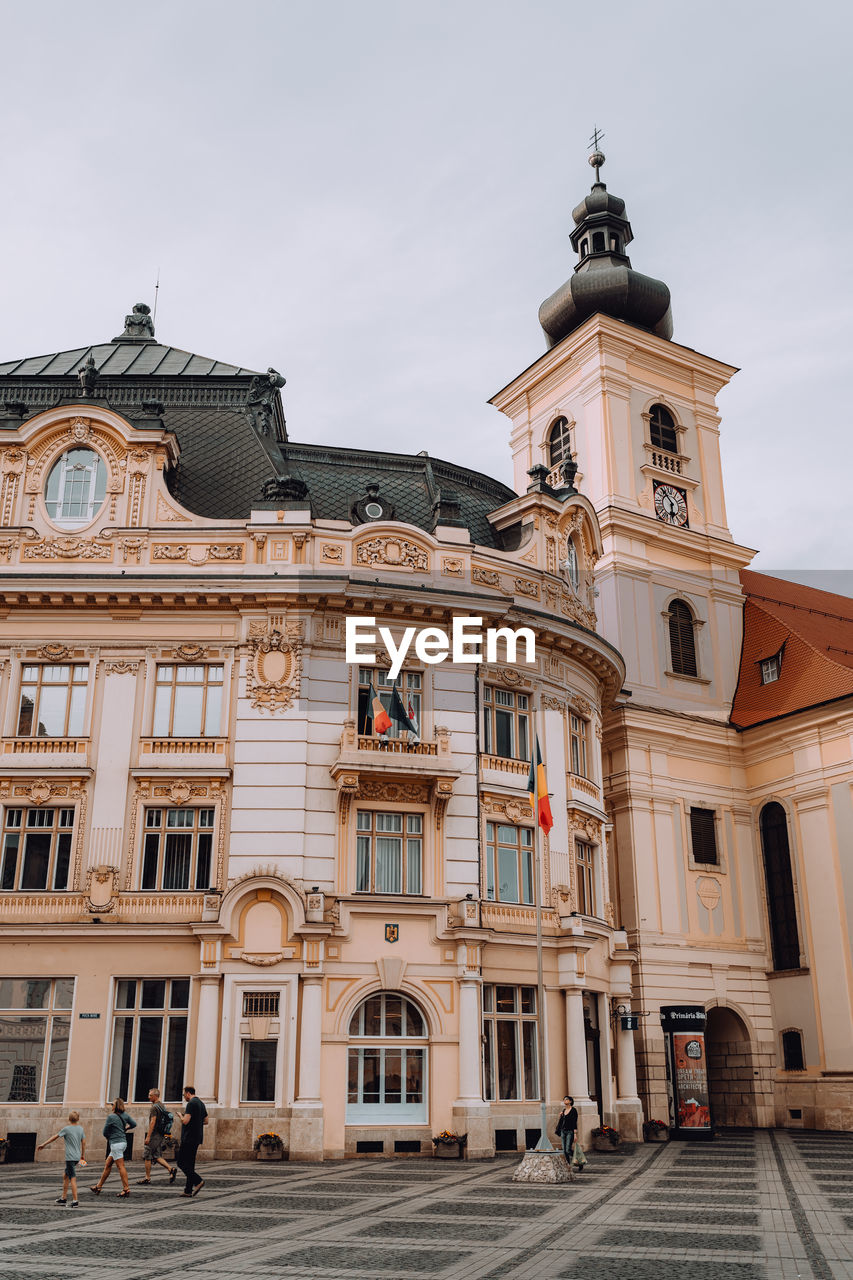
(729, 1242)
(373, 1261)
(602, 1268)
(704, 1217)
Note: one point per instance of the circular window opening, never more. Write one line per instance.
(374, 510)
(76, 488)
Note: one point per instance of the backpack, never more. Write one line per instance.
(165, 1120)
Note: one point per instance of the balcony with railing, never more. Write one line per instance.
(429, 759)
(126, 908)
(44, 753)
(198, 753)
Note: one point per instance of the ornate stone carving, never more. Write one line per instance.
(131, 547)
(175, 551)
(121, 667)
(580, 705)
(442, 797)
(167, 514)
(190, 551)
(180, 792)
(262, 961)
(452, 567)
(553, 704)
(398, 792)
(260, 401)
(331, 552)
(486, 577)
(525, 587)
(708, 891)
(398, 553)
(189, 652)
(514, 809)
(274, 669)
(101, 889)
(7, 546)
(225, 551)
(53, 652)
(585, 825)
(66, 548)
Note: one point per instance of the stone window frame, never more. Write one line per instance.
(21, 657)
(431, 879)
(793, 856)
(57, 829)
(786, 1031)
(490, 1018)
(383, 663)
(165, 1013)
(721, 866)
(161, 792)
(697, 623)
(680, 456)
(218, 656)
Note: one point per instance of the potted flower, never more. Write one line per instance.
(655, 1131)
(269, 1146)
(449, 1146)
(606, 1139)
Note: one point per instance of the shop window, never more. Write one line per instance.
(585, 867)
(792, 1051)
(53, 700)
(410, 688)
(506, 723)
(149, 1038)
(559, 442)
(386, 1070)
(510, 1070)
(509, 863)
(258, 1071)
(176, 851)
(682, 642)
(578, 730)
(76, 488)
(703, 836)
(662, 432)
(188, 701)
(389, 852)
(36, 848)
(35, 1028)
(781, 905)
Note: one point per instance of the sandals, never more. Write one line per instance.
(143, 1182)
(121, 1195)
(97, 1190)
(173, 1173)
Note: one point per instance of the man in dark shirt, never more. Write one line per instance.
(193, 1120)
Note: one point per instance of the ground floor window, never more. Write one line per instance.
(387, 1077)
(510, 1069)
(35, 1028)
(258, 1074)
(149, 1038)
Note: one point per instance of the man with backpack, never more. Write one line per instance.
(159, 1127)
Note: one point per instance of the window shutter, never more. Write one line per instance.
(681, 642)
(703, 835)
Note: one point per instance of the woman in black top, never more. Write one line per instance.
(567, 1127)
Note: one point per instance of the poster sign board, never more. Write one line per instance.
(687, 1069)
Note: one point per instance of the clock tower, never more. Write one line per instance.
(620, 411)
(636, 413)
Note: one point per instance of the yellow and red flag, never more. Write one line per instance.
(381, 718)
(537, 788)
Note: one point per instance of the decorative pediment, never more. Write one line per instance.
(392, 551)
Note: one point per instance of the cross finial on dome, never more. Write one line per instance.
(597, 157)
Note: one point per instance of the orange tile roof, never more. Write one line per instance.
(816, 630)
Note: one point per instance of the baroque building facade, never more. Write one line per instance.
(213, 867)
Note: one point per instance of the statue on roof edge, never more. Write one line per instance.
(138, 326)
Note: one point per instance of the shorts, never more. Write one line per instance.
(153, 1149)
(71, 1168)
(117, 1150)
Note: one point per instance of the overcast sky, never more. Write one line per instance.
(375, 197)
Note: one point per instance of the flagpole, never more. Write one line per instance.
(544, 1143)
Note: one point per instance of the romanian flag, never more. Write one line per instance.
(381, 718)
(537, 787)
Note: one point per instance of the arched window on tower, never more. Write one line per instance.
(662, 432)
(599, 244)
(559, 442)
(781, 906)
(584, 247)
(682, 641)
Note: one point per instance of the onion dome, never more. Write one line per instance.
(604, 280)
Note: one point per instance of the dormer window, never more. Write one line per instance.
(662, 432)
(559, 442)
(771, 668)
(76, 488)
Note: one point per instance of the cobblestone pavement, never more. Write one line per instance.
(749, 1206)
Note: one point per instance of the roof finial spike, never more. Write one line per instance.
(597, 157)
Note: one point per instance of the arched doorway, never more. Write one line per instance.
(731, 1069)
(387, 1062)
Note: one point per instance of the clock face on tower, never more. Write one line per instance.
(671, 504)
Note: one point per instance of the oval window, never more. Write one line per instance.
(76, 488)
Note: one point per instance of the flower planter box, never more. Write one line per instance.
(270, 1153)
(605, 1146)
(656, 1135)
(447, 1151)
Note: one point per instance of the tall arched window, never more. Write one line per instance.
(662, 432)
(682, 643)
(387, 1066)
(781, 906)
(559, 440)
(792, 1050)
